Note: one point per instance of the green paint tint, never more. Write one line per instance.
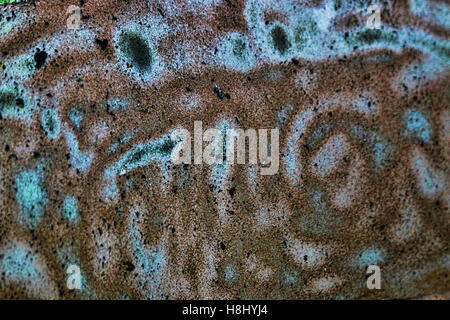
(10, 1)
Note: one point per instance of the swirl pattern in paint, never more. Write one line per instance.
(86, 175)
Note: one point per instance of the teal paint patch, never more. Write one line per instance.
(367, 37)
(291, 157)
(70, 208)
(230, 273)
(110, 191)
(290, 277)
(79, 160)
(304, 29)
(307, 32)
(378, 146)
(330, 155)
(158, 150)
(431, 180)
(380, 153)
(234, 52)
(124, 139)
(8, 21)
(418, 125)
(15, 103)
(137, 48)
(279, 39)
(116, 104)
(30, 196)
(19, 264)
(51, 123)
(432, 10)
(22, 67)
(283, 115)
(76, 117)
(371, 256)
(220, 171)
(151, 263)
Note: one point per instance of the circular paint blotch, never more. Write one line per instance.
(239, 48)
(280, 39)
(304, 31)
(234, 52)
(137, 50)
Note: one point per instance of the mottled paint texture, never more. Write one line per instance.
(86, 117)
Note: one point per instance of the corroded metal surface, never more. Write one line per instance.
(86, 177)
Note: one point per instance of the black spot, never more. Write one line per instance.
(161, 12)
(39, 58)
(102, 43)
(20, 103)
(129, 266)
(280, 39)
(137, 50)
(222, 245)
